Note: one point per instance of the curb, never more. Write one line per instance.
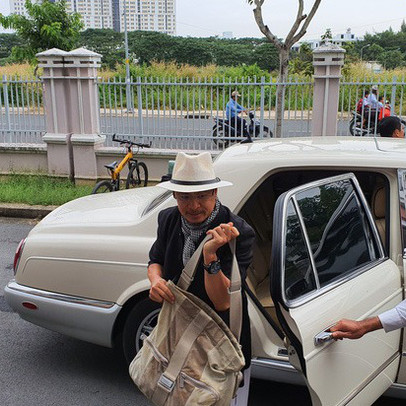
(24, 210)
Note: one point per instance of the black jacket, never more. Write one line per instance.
(167, 252)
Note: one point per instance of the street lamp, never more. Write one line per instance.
(365, 46)
(127, 64)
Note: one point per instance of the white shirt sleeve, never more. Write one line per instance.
(394, 318)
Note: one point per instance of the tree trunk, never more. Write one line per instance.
(280, 91)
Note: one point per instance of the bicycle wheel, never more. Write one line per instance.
(103, 187)
(137, 176)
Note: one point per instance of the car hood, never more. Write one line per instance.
(127, 206)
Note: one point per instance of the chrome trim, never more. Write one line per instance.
(307, 242)
(368, 212)
(402, 207)
(368, 380)
(316, 293)
(90, 261)
(277, 371)
(59, 296)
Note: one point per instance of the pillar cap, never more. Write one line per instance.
(51, 52)
(329, 47)
(328, 54)
(80, 52)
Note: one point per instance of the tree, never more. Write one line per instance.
(48, 25)
(327, 36)
(296, 32)
(391, 59)
(7, 43)
(107, 42)
(303, 62)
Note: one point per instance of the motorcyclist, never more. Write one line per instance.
(384, 108)
(362, 102)
(232, 111)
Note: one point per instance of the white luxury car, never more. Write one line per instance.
(330, 222)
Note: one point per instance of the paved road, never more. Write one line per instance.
(162, 131)
(43, 368)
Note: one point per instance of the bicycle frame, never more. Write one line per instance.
(120, 166)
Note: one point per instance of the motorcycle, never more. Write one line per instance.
(366, 124)
(222, 129)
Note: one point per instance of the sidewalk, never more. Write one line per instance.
(24, 210)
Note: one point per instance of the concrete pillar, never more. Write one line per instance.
(57, 136)
(327, 61)
(72, 111)
(82, 66)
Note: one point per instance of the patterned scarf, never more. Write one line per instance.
(193, 232)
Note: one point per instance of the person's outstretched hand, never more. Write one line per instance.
(353, 329)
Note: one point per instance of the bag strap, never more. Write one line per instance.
(234, 290)
(167, 380)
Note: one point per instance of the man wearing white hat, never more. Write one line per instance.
(180, 231)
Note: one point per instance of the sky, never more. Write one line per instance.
(202, 18)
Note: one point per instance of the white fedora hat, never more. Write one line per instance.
(193, 173)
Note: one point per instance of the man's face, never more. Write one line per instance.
(196, 207)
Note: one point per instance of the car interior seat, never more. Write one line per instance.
(378, 206)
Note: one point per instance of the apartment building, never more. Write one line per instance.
(147, 15)
(95, 13)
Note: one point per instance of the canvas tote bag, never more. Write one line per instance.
(192, 357)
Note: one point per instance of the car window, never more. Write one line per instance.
(338, 237)
(299, 276)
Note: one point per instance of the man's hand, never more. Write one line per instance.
(354, 329)
(160, 292)
(221, 234)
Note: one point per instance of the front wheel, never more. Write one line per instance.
(137, 176)
(218, 137)
(103, 187)
(140, 321)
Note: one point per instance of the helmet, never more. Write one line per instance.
(374, 87)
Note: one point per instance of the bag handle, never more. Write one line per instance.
(234, 290)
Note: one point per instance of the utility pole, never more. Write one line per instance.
(129, 98)
(365, 46)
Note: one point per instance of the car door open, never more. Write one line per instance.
(327, 264)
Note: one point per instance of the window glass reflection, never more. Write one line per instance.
(336, 230)
(299, 277)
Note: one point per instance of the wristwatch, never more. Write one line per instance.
(212, 268)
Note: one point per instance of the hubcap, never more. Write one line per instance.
(145, 328)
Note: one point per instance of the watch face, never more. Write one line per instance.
(214, 267)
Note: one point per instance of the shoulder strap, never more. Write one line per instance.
(188, 274)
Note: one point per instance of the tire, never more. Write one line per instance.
(103, 187)
(352, 123)
(139, 178)
(220, 133)
(141, 319)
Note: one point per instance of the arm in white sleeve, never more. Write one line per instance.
(394, 318)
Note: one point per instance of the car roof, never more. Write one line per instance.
(247, 164)
(364, 151)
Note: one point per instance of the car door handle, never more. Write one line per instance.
(323, 337)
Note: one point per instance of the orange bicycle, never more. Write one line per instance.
(137, 171)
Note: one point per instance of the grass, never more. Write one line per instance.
(39, 190)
